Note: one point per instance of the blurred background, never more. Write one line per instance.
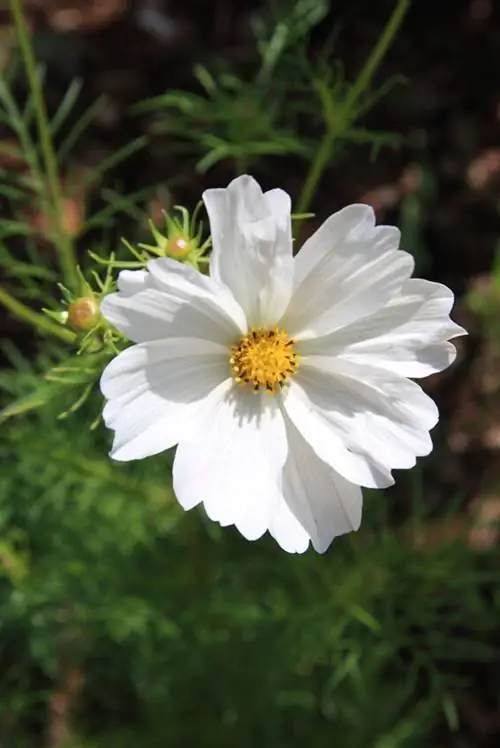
(123, 620)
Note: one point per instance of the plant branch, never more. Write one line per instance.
(64, 241)
(362, 82)
(37, 320)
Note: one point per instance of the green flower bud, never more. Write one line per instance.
(84, 313)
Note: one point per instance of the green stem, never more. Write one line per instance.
(324, 152)
(241, 164)
(379, 51)
(37, 320)
(318, 166)
(64, 241)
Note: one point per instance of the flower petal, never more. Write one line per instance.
(347, 289)
(132, 281)
(232, 459)
(347, 270)
(330, 441)
(408, 336)
(382, 417)
(285, 528)
(352, 224)
(184, 282)
(153, 390)
(325, 504)
(252, 247)
(176, 301)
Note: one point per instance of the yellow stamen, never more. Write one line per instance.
(264, 359)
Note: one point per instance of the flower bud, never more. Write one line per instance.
(84, 313)
(177, 244)
(180, 238)
(178, 247)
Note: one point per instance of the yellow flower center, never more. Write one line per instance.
(265, 359)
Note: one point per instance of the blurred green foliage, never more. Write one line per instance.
(184, 634)
(246, 117)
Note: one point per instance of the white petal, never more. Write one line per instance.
(153, 389)
(176, 302)
(348, 276)
(285, 528)
(232, 459)
(382, 417)
(325, 504)
(353, 223)
(331, 443)
(408, 336)
(252, 247)
(132, 281)
(184, 282)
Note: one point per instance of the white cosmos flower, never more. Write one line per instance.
(282, 380)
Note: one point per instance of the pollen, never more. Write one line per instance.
(264, 359)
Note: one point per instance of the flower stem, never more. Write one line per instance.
(64, 242)
(324, 152)
(318, 166)
(37, 320)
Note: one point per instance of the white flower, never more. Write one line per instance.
(282, 380)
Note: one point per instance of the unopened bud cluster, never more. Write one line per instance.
(181, 238)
